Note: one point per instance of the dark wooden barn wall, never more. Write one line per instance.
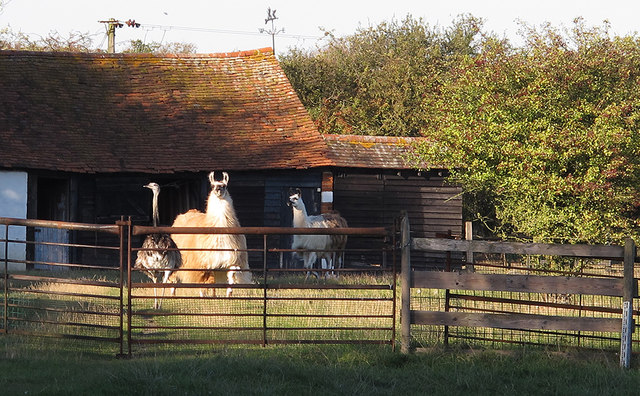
(267, 205)
(367, 199)
(364, 198)
(259, 199)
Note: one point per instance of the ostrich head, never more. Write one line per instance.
(219, 188)
(295, 198)
(153, 187)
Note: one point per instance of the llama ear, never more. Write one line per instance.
(225, 177)
(212, 177)
(299, 192)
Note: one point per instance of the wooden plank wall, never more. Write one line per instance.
(260, 199)
(369, 199)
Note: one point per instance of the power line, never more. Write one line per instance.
(223, 31)
(112, 24)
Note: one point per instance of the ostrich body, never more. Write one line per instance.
(160, 253)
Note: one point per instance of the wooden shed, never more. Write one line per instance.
(373, 183)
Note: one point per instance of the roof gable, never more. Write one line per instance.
(154, 114)
(363, 151)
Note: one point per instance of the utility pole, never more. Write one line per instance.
(112, 25)
(271, 16)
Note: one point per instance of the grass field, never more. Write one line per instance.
(38, 365)
(49, 367)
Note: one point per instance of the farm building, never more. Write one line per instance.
(81, 134)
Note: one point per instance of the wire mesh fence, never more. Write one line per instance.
(83, 287)
(571, 305)
(283, 304)
(79, 284)
(54, 288)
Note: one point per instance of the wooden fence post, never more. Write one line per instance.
(627, 303)
(405, 276)
(468, 235)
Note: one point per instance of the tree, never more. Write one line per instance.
(548, 133)
(138, 46)
(81, 42)
(75, 42)
(380, 80)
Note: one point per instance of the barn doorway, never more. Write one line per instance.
(52, 204)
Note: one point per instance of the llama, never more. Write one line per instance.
(232, 257)
(323, 247)
(338, 242)
(160, 251)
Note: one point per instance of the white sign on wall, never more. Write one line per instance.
(13, 203)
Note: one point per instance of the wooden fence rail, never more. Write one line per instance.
(625, 287)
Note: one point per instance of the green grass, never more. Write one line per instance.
(34, 365)
(41, 366)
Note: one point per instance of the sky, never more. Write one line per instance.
(226, 26)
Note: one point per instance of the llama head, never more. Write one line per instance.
(153, 187)
(219, 188)
(295, 198)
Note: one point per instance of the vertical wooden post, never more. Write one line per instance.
(6, 279)
(468, 235)
(121, 230)
(265, 294)
(405, 276)
(627, 303)
(129, 287)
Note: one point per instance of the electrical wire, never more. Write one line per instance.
(224, 31)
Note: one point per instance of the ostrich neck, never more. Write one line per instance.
(156, 215)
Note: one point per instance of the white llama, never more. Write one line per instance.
(159, 252)
(323, 247)
(230, 255)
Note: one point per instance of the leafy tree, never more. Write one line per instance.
(548, 133)
(380, 80)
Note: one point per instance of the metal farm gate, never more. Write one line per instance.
(113, 305)
(54, 289)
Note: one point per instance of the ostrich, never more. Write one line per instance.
(160, 252)
(325, 246)
(230, 251)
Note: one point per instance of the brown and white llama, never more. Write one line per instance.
(324, 247)
(230, 250)
(338, 242)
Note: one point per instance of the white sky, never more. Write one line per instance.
(301, 20)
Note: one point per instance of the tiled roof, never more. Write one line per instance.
(154, 114)
(358, 151)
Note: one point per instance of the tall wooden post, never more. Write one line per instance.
(6, 279)
(405, 276)
(112, 24)
(468, 235)
(627, 303)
